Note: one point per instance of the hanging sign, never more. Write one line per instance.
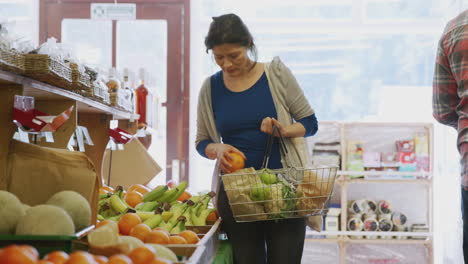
(113, 11)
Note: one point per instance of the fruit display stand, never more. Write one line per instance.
(53, 100)
(409, 192)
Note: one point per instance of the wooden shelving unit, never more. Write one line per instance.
(375, 185)
(53, 100)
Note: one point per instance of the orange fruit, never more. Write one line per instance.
(103, 222)
(103, 191)
(162, 229)
(119, 259)
(190, 236)
(57, 257)
(127, 222)
(133, 198)
(140, 231)
(107, 188)
(15, 254)
(177, 240)
(139, 188)
(142, 255)
(184, 196)
(30, 250)
(212, 217)
(100, 259)
(80, 257)
(237, 162)
(157, 237)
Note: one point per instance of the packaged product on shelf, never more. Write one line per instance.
(354, 157)
(385, 225)
(389, 159)
(390, 175)
(423, 228)
(400, 228)
(325, 158)
(355, 224)
(332, 219)
(371, 159)
(406, 157)
(359, 206)
(371, 225)
(421, 144)
(405, 145)
(399, 218)
(384, 207)
(422, 163)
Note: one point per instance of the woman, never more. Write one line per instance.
(240, 105)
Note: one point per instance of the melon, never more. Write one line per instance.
(76, 206)
(11, 211)
(45, 220)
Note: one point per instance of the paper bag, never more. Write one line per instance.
(314, 191)
(238, 186)
(129, 166)
(35, 173)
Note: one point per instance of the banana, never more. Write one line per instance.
(180, 226)
(169, 194)
(201, 219)
(167, 215)
(155, 194)
(117, 204)
(149, 206)
(153, 221)
(145, 215)
(180, 190)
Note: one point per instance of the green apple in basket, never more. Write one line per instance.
(267, 176)
(260, 192)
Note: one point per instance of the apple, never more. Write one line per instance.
(260, 192)
(267, 177)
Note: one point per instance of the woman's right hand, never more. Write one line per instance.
(221, 152)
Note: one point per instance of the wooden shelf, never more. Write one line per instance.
(43, 91)
(366, 233)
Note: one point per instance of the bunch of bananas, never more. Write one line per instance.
(160, 208)
(174, 217)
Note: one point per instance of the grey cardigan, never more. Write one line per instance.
(290, 104)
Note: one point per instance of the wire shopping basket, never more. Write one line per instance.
(271, 194)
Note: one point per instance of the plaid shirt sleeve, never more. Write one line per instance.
(444, 97)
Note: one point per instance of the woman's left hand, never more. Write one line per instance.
(267, 126)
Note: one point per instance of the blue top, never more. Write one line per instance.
(238, 116)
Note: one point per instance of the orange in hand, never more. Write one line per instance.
(237, 162)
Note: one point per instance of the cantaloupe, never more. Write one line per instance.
(76, 206)
(11, 210)
(45, 220)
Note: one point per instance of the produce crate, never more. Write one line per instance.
(12, 61)
(49, 70)
(47, 243)
(81, 81)
(188, 254)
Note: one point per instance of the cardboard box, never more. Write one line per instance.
(129, 166)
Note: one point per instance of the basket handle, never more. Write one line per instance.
(271, 138)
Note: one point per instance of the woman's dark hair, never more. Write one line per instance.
(230, 29)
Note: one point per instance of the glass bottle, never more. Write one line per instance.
(141, 98)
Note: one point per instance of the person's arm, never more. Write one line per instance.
(304, 127)
(444, 95)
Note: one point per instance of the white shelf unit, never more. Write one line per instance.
(411, 196)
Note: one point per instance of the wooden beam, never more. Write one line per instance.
(8, 128)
